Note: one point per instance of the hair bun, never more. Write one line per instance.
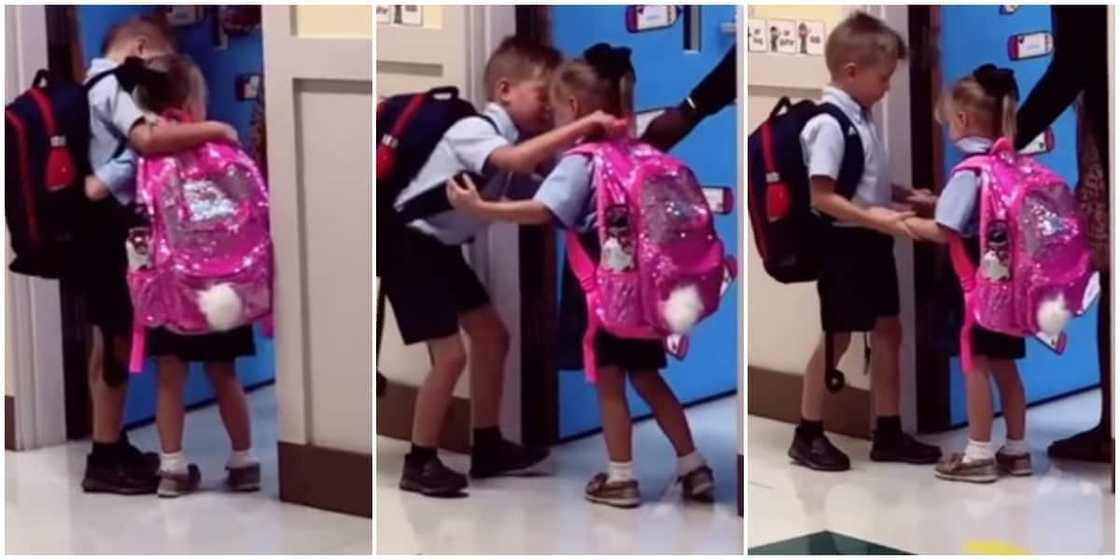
(609, 62)
(997, 82)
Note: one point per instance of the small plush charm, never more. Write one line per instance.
(221, 306)
(683, 309)
(1053, 314)
(615, 257)
(993, 267)
(138, 249)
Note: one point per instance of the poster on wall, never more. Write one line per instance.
(649, 18)
(384, 14)
(1030, 45)
(756, 36)
(1008, 9)
(810, 38)
(181, 16)
(1043, 143)
(410, 15)
(783, 36)
(248, 87)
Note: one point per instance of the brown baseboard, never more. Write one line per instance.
(394, 417)
(740, 475)
(325, 478)
(9, 422)
(777, 395)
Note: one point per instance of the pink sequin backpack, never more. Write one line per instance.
(204, 263)
(662, 266)
(1035, 269)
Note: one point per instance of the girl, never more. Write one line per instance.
(602, 80)
(980, 108)
(176, 84)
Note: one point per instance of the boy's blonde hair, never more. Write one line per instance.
(864, 40)
(170, 82)
(595, 88)
(517, 59)
(137, 28)
(995, 101)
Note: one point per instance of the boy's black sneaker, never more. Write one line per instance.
(904, 449)
(138, 459)
(817, 453)
(432, 478)
(504, 458)
(117, 475)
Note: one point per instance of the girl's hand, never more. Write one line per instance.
(463, 194)
(892, 222)
(610, 125)
(923, 200)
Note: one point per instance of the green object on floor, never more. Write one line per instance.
(824, 542)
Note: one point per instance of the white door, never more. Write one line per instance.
(318, 68)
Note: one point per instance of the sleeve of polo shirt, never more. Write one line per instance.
(565, 191)
(957, 203)
(124, 114)
(822, 144)
(472, 140)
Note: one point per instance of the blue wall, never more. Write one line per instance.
(666, 74)
(220, 67)
(971, 36)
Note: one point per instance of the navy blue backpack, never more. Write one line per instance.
(787, 232)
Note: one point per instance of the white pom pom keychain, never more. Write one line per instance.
(221, 306)
(1053, 314)
(683, 309)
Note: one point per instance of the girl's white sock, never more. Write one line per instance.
(241, 459)
(620, 472)
(978, 451)
(1016, 447)
(174, 463)
(690, 462)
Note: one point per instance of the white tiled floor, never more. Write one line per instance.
(46, 511)
(544, 515)
(1066, 507)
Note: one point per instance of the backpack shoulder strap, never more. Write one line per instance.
(851, 166)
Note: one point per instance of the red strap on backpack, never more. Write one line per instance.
(778, 200)
(966, 271)
(60, 171)
(388, 144)
(25, 174)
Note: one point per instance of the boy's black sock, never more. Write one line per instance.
(810, 428)
(419, 455)
(487, 438)
(888, 428)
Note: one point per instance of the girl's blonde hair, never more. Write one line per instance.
(997, 102)
(594, 89)
(170, 82)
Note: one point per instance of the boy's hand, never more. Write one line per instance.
(95, 189)
(463, 195)
(610, 125)
(891, 222)
(923, 200)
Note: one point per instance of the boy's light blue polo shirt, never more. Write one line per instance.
(112, 114)
(466, 146)
(822, 143)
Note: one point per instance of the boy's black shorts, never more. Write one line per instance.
(429, 285)
(858, 282)
(104, 284)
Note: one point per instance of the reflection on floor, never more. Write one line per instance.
(549, 515)
(1067, 507)
(46, 511)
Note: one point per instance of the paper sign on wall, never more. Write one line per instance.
(810, 38)
(642, 120)
(783, 36)
(1008, 9)
(757, 40)
(1043, 143)
(648, 18)
(384, 14)
(410, 15)
(1030, 45)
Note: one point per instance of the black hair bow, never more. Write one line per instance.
(609, 62)
(134, 71)
(997, 82)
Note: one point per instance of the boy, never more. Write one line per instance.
(434, 291)
(858, 285)
(114, 465)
